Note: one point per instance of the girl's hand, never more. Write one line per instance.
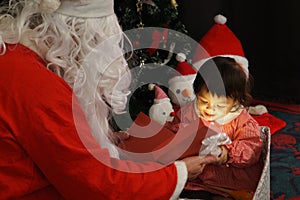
(222, 159)
(217, 160)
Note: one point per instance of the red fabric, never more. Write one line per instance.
(289, 108)
(41, 154)
(176, 108)
(162, 144)
(157, 38)
(275, 124)
(244, 166)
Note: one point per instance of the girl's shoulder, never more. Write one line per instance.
(246, 119)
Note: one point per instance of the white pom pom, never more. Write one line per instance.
(151, 86)
(180, 57)
(220, 19)
(49, 6)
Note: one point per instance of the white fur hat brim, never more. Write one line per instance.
(86, 9)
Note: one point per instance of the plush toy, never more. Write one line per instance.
(161, 110)
(181, 86)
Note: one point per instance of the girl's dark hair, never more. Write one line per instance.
(223, 76)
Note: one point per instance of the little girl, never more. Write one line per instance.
(222, 91)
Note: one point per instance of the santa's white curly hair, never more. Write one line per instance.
(64, 38)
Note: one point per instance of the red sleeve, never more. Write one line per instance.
(39, 112)
(246, 145)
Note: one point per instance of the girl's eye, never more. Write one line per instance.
(178, 91)
(221, 106)
(203, 101)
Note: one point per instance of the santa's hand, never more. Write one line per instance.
(217, 160)
(117, 137)
(194, 165)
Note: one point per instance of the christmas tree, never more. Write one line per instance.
(134, 14)
(153, 57)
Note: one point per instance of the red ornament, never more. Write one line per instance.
(136, 43)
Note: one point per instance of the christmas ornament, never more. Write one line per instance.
(157, 38)
(174, 3)
(149, 2)
(139, 8)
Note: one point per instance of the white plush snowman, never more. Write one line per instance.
(161, 111)
(181, 86)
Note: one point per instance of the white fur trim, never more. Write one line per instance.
(239, 59)
(185, 78)
(158, 101)
(180, 57)
(49, 6)
(220, 19)
(86, 9)
(257, 110)
(181, 178)
(230, 116)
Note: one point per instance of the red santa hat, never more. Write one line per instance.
(220, 41)
(160, 95)
(183, 67)
(185, 70)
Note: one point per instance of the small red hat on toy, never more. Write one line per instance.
(185, 71)
(183, 67)
(220, 41)
(160, 95)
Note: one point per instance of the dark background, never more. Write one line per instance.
(270, 35)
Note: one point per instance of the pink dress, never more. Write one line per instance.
(243, 168)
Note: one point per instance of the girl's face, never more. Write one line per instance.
(212, 107)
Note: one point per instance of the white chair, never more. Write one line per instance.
(262, 191)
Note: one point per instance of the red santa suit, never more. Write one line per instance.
(243, 168)
(41, 154)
